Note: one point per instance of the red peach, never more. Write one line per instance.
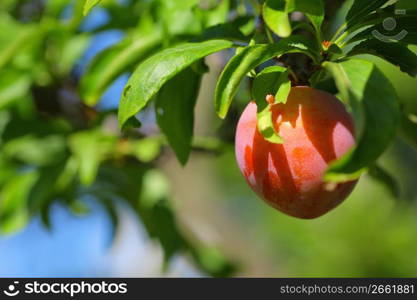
(316, 129)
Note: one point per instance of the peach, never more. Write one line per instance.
(316, 129)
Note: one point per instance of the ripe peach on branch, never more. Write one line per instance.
(316, 129)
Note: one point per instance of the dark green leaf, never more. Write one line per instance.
(367, 90)
(248, 59)
(47, 188)
(394, 53)
(405, 30)
(362, 8)
(111, 210)
(335, 49)
(373, 19)
(176, 102)
(153, 73)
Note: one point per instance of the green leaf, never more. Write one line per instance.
(36, 151)
(178, 17)
(248, 59)
(13, 201)
(72, 50)
(267, 82)
(265, 123)
(89, 4)
(153, 73)
(14, 37)
(276, 17)
(13, 85)
(394, 53)
(362, 84)
(362, 8)
(216, 14)
(375, 18)
(176, 102)
(382, 176)
(284, 89)
(313, 9)
(47, 189)
(90, 148)
(276, 14)
(271, 81)
(405, 29)
(113, 62)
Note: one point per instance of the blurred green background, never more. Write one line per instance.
(79, 198)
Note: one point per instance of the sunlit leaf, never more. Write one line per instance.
(276, 17)
(153, 73)
(394, 53)
(248, 59)
(265, 123)
(89, 4)
(276, 14)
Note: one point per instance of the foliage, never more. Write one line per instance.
(58, 144)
